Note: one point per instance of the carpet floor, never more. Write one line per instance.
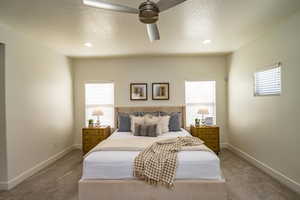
(59, 181)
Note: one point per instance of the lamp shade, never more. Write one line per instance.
(203, 111)
(97, 112)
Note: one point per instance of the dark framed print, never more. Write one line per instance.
(160, 91)
(138, 91)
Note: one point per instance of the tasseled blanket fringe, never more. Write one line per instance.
(150, 181)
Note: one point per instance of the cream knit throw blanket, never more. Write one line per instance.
(157, 163)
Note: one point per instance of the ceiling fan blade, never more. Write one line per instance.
(153, 32)
(166, 4)
(110, 6)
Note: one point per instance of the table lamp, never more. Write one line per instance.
(97, 112)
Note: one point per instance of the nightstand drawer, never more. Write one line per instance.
(93, 136)
(87, 147)
(214, 148)
(207, 130)
(209, 135)
(211, 143)
(92, 139)
(91, 132)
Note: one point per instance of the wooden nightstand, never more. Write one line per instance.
(209, 134)
(93, 136)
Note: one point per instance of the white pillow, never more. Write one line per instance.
(151, 120)
(164, 123)
(136, 120)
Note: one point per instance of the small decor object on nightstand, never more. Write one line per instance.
(160, 91)
(203, 112)
(91, 123)
(97, 112)
(197, 122)
(209, 134)
(209, 121)
(93, 136)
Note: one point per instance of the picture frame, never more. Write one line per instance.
(138, 91)
(160, 91)
(209, 121)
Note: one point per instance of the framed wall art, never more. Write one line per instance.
(160, 91)
(138, 91)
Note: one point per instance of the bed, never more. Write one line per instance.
(108, 174)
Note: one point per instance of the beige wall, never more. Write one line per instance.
(174, 69)
(267, 128)
(3, 175)
(39, 117)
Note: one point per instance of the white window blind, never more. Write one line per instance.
(100, 96)
(268, 82)
(200, 94)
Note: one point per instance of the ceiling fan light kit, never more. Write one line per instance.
(148, 12)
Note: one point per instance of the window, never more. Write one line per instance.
(100, 96)
(268, 82)
(200, 94)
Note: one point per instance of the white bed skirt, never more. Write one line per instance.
(139, 190)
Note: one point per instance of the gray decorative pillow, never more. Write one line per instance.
(152, 131)
(137, 130)
(124, 122)
(175, 120)
(138, 114)
(141, 114)
(151, 113)
(145, 130)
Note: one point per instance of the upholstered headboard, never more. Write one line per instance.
(168, 109)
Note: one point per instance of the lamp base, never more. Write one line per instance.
(97, 124)
(203, 121)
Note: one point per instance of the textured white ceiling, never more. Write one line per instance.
(66, 25)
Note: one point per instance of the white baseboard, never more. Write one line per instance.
(290, 183)
(224, 145)
(3, 186)
(17, 180)
(77, 146)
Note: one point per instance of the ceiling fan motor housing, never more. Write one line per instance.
(149, 12)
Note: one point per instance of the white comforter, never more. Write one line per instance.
(119, 164)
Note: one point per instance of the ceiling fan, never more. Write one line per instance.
(148, 12)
